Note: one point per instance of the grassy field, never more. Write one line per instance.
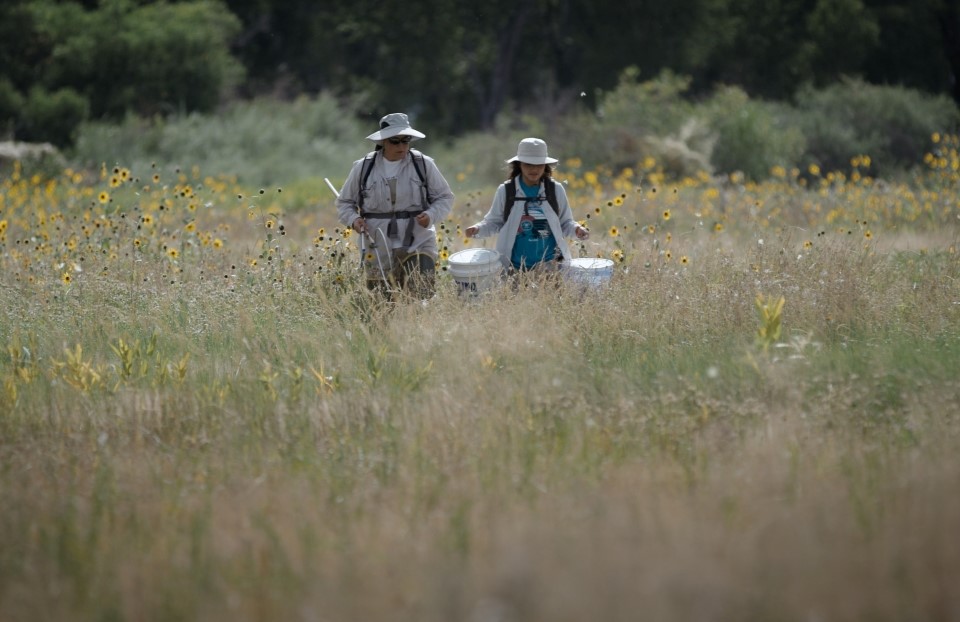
(204, 416)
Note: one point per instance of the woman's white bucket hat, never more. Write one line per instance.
(532, 151)
(395, 124)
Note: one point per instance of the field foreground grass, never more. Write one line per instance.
(194, 425)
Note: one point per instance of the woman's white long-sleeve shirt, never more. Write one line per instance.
(409, 197)
(561, 224)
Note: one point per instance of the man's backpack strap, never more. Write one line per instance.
(510, 195)
(365, 169)
(421, 169)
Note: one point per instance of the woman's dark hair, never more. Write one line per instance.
(515, 169)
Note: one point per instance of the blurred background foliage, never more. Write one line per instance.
(275, 90)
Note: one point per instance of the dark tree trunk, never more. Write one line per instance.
(491, 99)
(949, 17)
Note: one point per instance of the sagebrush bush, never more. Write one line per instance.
(891, 124)
(262, 142)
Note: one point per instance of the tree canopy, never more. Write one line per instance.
(460, 64)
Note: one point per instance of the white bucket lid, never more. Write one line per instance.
(480, 256)
(590, 263)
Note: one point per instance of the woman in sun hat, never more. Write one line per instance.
(530, 213)
(393, 197)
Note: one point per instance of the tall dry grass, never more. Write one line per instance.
(191, 430)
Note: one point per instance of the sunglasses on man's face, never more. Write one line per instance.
(400, 141)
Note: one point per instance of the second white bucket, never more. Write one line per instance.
(475, 270)
(590, 271)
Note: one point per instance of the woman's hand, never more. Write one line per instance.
(581, 233)
(471, 231)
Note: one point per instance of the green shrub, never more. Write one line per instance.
(262, 142)
(752, 135)
(52, 116)
(891, 124)
(628, 118)
(155, 58)
(727, 132)
(266, 142)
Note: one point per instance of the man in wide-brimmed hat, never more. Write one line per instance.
(393, 197)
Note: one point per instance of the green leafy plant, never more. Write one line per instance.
(769, 313)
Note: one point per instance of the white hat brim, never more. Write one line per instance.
(532, 160)
(390, 132)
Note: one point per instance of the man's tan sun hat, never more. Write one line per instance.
(532, 151)
(395, 124)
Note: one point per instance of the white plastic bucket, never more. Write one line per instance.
(590, 271)
(475, 269)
